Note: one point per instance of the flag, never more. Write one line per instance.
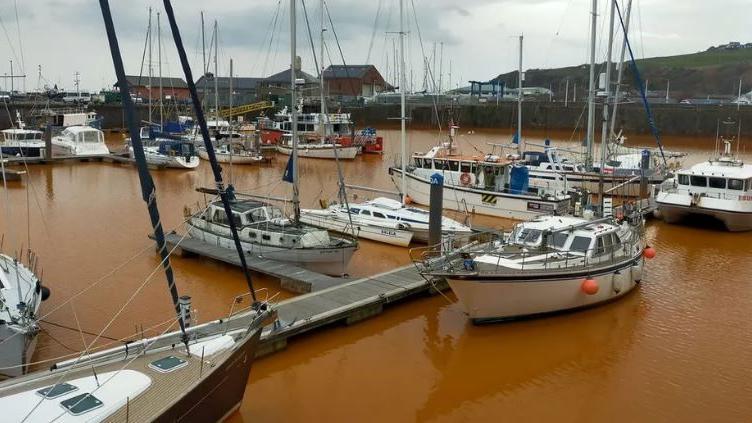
(287, 176)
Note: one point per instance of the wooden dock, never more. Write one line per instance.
(347, 303)
(109, 158)
(292, 278)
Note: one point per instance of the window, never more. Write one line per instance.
(465, 167)
(418, 162)
(608, 243)
(454, 165)
(558, 239)
(221, 217)
(698, 181)
(365, 212)
(353, 210)
(439, 164)
(252, 235)
(529, 236)
(736, 184)
(379, 215)
(683, 179)
(580, 244)
(266, 237)
(258, 215)
(717, 183)
(600, 247)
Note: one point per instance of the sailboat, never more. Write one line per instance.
(265, 230)
(198, 373)
(381, 219)
(549, 264)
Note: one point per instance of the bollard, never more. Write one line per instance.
(644, 166)
(436, 204)
(48, 142)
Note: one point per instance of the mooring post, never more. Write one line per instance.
(644, 166)
(48, 142)
(436, 206)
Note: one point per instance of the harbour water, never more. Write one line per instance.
(676, 349)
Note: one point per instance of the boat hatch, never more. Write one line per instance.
(55, 391)
(81, 404)
(168, 364)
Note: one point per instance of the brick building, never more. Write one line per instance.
(354, 81)
(172, 88)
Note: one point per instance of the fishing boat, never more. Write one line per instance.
(22, 142)
(196, 373)
(381, 219)
(232, 152)
(720, 187)
(547, 265)
(80, 141)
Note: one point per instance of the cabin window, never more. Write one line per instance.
(353, 210)
(266, 237)
(439, 164)
(580, 244)
(389, 216)
(257, 215)
(454, 165)
(683, 179)
(698, 181)
(736, 184)
(600, 246)
(465, 167)
(568, 168)
(717, 183)
(529, 236)
(252, 234)
(418, 162)
(221, 217)
(558, 239)
(365, 212)
(379, 215)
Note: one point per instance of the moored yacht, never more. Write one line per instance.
(547, 265)
(80, 141)
(232, 152)
(380, 219)
(720, 187)
(265, 231)
(22, 142)
(316, 149)
(169, 153)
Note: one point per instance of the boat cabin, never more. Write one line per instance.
(83, 134)
(245, 212)
(176, 148)
(594, 240)
(716, 179)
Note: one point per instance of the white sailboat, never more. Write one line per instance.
(232, 153)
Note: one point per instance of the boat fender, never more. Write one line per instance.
(636, 272)
(469, 264)
(45, 293)
(465, 179)
(589, 286)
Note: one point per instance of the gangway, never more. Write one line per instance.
(245, 108)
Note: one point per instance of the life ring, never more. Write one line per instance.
(465, 179)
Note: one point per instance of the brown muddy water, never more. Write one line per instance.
(678, 348)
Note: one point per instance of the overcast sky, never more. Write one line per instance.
(479, 36)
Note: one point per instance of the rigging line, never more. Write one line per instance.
(339, 47)
(267, 33)
(49, 335)
(428, 68)
(20, 41)
(70, 328)
(272, 33)
(143, 54)
(10, 43)
(310, 38)
(373, 31)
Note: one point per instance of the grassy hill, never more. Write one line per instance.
(712, 73)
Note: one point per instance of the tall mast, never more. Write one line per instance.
(591, 90)
(159, 58)
(204, 67)
(322, 117)
(150, 66)
(403, 130)
(520, 148)
(148, 192)
(607, 88)
(216, 75)
(294, 117)
(621, 67)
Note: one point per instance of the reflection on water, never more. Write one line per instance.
(676, 349)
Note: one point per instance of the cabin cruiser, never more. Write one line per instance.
(80, 141)
(546, 265)
(22, 142)
(264, 231)
(381, 219)
(720, 187)
(232, 152)
(169, 153)
(489, 185)
(21, 294)
(312, 147)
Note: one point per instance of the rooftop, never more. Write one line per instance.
(143, 81)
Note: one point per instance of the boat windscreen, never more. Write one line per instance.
(558, 239)
(580, 244)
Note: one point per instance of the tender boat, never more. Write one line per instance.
(22, 142)
(169, 153)
(264, 231)
(547, 265)
(80, 141)
(720, 187)
(381, 219)
(232, 152)
(21, 294)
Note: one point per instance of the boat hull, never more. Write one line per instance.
(467, 199)
(17, 349)
(218, 395)
(628, 185)
(735, 221)
(67, 149)
(325, 220)
(172, 162)
(487, 300)
(343, 153)
(234, 158)
(329, 261)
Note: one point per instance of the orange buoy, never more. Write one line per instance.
(589, 286)
(408, 199)
(649, 252)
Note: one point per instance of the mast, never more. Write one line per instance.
(520, 148)
(607, 88)
(225, 195)
(148, 192)
(294, 118)
(621, 68)
(150, 66)
(591, 90)
(322, 116)
(204, 67)
(159, 59)
(216, 76)
(403, 131)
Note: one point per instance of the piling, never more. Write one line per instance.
(644, 166)
(48, 142)
(436, 202)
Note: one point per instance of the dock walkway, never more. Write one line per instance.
(293, 278)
